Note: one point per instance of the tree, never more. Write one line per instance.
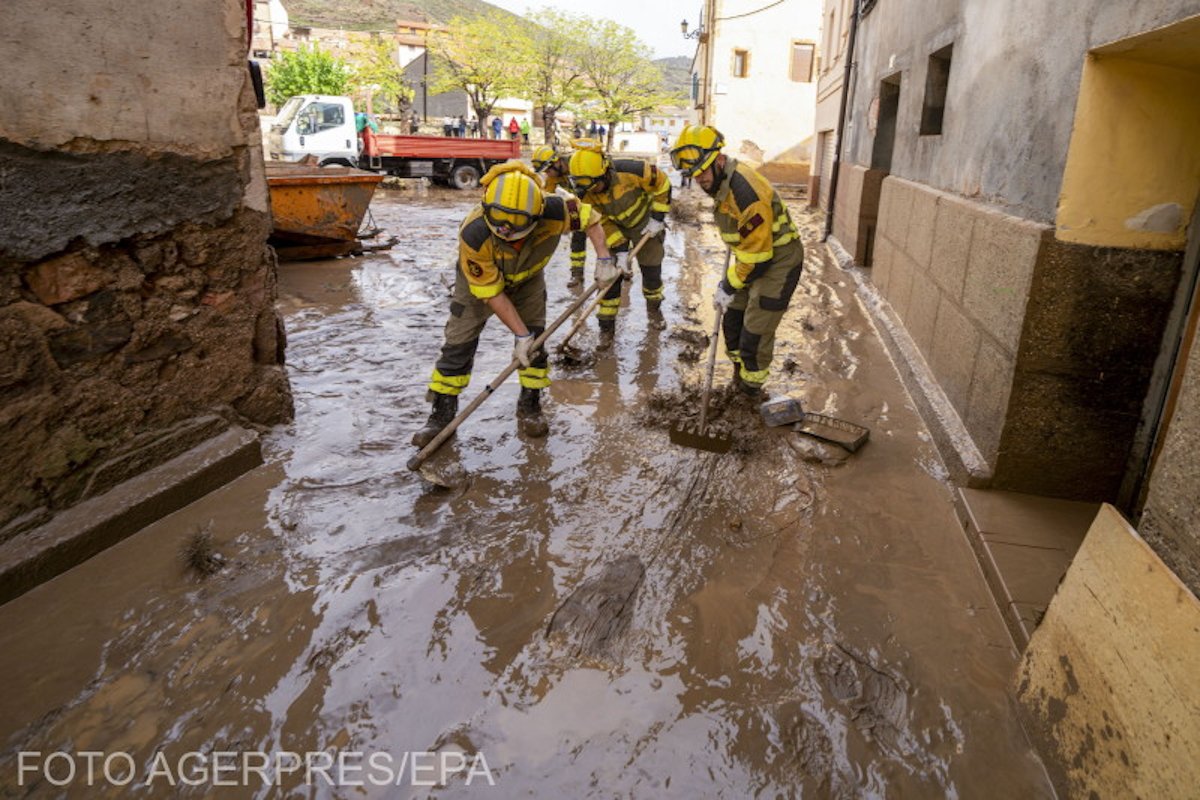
(376, 73)
(555, 75)
(618, 69)
(487, 57)
(309, 70)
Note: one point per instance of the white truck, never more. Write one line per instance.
(323, 126)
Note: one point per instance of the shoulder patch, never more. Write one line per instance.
(474, 269)
(476, 233)
(750, 225)
(554, 208)
(743, 193)
(630, 165)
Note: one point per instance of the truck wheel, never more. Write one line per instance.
(464, 176)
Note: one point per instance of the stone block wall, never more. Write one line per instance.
(136, 287)
(1043, 348)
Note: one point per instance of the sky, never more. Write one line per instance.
(656, 22)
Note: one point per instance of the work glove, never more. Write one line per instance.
(523, 350)
(623, 263)
(723, 296)
(654, 227)
(606, 270)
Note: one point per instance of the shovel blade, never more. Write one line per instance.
(687, 436)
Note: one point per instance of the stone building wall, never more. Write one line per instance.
(136, 287)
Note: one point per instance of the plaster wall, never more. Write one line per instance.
(1012, 90)
(136, 287)
(765, 116)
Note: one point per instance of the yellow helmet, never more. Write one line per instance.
(512, 200)
(543, 157)
(589, 166)
(696, 149)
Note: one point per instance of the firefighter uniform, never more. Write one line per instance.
(767, 259)
(488, 265)
(629, 193)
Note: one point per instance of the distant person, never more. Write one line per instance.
(601, 131)
(496, 126)
(525, 130)
(592, 128)
(415, 123)
(473, 127)
(767, 253)
(447, 126)
(577, 131)
(513, 128)
(462, 127)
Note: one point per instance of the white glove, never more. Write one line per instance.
(623, 263)
(722, 297)
(654, 227)
(606, 270)
(523, 350)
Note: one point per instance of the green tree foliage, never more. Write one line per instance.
(486, 56)
(554, 79)
(309, 70)
(619, 72)
(376, 72)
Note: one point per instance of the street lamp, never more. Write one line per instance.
(696, 34)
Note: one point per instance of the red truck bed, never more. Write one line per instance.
(443, 147)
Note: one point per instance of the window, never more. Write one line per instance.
(318, 117)
(802, 61)
(937, 78)
(741, 63)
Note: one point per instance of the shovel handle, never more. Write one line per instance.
(416, 461)
(583, 318)
(712, 355)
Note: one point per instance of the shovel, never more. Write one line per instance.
(415, 463)
(696, 438)
(564, 348)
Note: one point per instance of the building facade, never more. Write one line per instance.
(755, 80)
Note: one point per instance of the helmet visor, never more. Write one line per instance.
(688, 158)
(508, 223)
(582, 184)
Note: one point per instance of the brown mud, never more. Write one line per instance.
(599, 613)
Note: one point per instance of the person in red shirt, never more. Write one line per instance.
(513, 128)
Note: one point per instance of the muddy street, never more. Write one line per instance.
(599, 613)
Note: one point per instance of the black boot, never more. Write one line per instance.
(576, 277)
(608, 331)
(445, 409)
(529, 413)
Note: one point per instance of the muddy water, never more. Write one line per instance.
(599, 613)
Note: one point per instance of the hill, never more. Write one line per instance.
(677, 74)
(379, 14)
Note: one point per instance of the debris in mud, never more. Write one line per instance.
(572, 358)
(730, 413)
(595, 616)
(877, 702)
(690, 336)
(199, 554)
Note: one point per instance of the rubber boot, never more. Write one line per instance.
(529, 414)
(608, 331)
(445, 409)
(654, 315)
(576, 278)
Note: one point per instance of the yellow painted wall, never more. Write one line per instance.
(1135, 145)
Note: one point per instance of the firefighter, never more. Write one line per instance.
(634, 197)
(767, 253)
(552, 166)
(503, 245)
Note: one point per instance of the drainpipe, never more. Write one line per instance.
(837, 144)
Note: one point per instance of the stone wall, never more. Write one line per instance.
(136, 288)
(1043, 348)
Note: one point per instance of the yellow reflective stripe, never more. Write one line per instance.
(448, 384)
(752, 258)
(578, 258)
(609, 308)
(731, 237)
(664, 207)
(652, 294)
(534, 377)
(787, 237)
(638, 207)
(757, 377)
(585, 216)
(731, 277)
(521, 277)
(615, 238)
(486, 292)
